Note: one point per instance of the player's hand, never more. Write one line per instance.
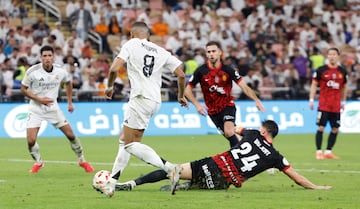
(46, 101)
(183, 102)
(202, 110)
(109, 93)
(311, 105)
(71, 107)
(260, 106)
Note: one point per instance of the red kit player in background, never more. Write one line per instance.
(216, 81)
(332, 81)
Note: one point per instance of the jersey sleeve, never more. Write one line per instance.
(195, 78)
(234, 74)
(124, 51)
(172, 62)
(281, 163)
(26, 81)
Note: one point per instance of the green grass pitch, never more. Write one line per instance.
(62, 184)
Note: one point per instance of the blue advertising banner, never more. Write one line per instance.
(105, 119)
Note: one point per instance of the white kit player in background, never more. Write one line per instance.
(41, 85)
(145, 62)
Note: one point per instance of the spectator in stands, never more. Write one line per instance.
(23, 10)
(316, 59)
(7, 72)
(199, 41)
(114, 27)
(102, 63)
(40, 21)
(306, 36)
(27, 38)
(71, 7)
(131, 4)
(145, 17)
(103, 30)
(301, 65)
(4, 29)
(170, 17)
(224, 9)
(50, 40)
(9, 46)
(58, 56)
(173, 43)
(120, 15)
(81, 20)
(35, 48)
(70, 48)
(89, 89)
(19, 73)
(160, 27)
(41, 31)
(86, 51)
(58, 32)
(78, 41)
(95, 14)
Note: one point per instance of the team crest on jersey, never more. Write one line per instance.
(224, 77)
(340, 76)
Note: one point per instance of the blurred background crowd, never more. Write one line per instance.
(274, 44)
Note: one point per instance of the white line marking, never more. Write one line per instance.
(2, 180)
(309, 170)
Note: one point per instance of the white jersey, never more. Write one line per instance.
(45, 84)
(145, 63)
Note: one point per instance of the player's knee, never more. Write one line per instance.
(321, 129)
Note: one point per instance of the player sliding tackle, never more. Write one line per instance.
(252, 155)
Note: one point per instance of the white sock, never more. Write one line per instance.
(327, 151)
(77, 148)
(319, 151)
(35, 152)
(121, 159)
(148, 155)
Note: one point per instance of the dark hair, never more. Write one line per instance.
(271, 127)
(46, 48)
(139, 24)
(216, 43)
(334, 49)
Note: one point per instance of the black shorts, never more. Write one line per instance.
(227, 114)
(323, 117)
(206, 175)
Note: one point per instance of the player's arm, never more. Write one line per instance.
(251, 94)
(190, 96)
(115, 67)
(179, 72)
(25, 91)
(302, 181)
(68, 89)
(313, 87)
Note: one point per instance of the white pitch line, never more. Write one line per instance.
(309, 170)
(2, 180)
(70, 162)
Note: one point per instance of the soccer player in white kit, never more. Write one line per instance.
(41, 85)
(145, 63)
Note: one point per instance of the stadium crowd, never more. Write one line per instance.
(274, 44)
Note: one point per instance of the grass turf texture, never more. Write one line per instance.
(63, 184)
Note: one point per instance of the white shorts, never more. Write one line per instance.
(139, 112)
(37, 114)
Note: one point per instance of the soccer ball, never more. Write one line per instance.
(101, 178)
